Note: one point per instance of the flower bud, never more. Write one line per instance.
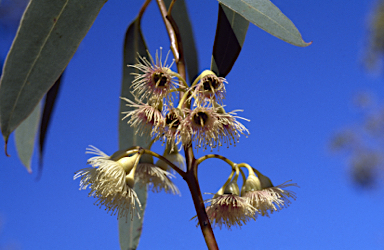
(129, 179)
(232, 188)
(251, 184)
(172, 154)
(128, 162)
(265, 181)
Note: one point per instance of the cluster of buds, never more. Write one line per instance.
(258, 196)
(154, 112)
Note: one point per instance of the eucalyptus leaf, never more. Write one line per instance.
(229, 39)
(265, 15)
(49, 105)
(130, 230)
(181, 17)
(25, 137)
(134, 45)
(49, 34)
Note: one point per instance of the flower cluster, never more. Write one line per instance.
(258, 196)
(199, 118)
(154, 112)
(112, 178)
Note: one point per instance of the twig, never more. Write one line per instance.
(171, 32)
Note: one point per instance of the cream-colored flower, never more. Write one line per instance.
(201, 126)
(265, 197)
(210, 87)
(109, 181)
(231, 127)
(229, 210)
(173, 120)
(211, 127)
(145, 118)
(271, 199)
(147, 173)
(156, 78)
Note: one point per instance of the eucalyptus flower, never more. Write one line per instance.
(111, 181)
(210, 87)
(211, 127)
(147, 173)
(202, 127)
(231, 127)
(266, 197)
(229, 209)
(146, 118)
(173, 120)
(156, 78)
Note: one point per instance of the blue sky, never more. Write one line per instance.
(296, 99)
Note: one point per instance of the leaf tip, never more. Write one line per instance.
(29, 170)
(6, 147)
(307, 44)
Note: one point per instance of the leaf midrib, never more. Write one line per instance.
(33, 64)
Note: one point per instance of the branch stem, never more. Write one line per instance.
(168, 26)
(191, 175)
(194, 187)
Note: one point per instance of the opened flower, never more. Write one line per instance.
(211, 127)
(266, 197)
(146, 118)
(173, 120)
(229, 209)
(159, 179)
(209, 88)
(111, 181)
(202, 127)
(231, 127)
(156, 78)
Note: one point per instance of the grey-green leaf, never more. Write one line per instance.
(130, 230)
(229, 39)
(49, 105)
(265, 15)
(134, 45)
(25, 137)
(49, 34)
(181, 17)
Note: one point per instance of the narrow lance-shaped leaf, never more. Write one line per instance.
(49, 34)
(181, 17)
(265, 15)
(25, 137)
(230, 35)
(49, 104)
(134, 45)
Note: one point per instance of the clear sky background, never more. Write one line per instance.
(296, 99)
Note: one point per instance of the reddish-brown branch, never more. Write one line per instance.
(180, 61)
(191, 174)
(171, 32)
(194, 188)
